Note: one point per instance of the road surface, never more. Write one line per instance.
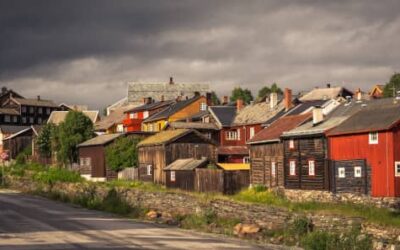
(29, 222)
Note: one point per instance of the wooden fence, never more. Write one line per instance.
(220, 181)
(128, 174)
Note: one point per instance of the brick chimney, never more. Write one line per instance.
(328, 85)
(38, 97)
(318, 116)
(162, 98)
(225, 100)
(239, 104)
(273, 100)
(209, 99)
(171, 80)
(288, 99)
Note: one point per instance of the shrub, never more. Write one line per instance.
(257, 195)
(53, 175)
(122, 153)
(301, 226)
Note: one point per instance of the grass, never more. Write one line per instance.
(145, 186)
(52, 175)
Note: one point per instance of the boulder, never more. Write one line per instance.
(246, 229)
(152, 214)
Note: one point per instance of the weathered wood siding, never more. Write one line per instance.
(97, 160)
(209, 180)
(306, 149)
(234, 181)
(155, 157)
(262, 156)
(350, 183)
(184, 179)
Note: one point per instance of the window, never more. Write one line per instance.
(7, 118)
(159, 127)
(23, 119)
(15, 119)
(120, 128)
(172, 176)
(133, 115)
(23, 109)
(292, 165)
(40, 110)
(232, 135)
(150, 127)
(238, 134)
(291, 144)
(31, 120)
(246, 159)
(203, 106)
(252, 132)
(88, 161)
(373, 138)
(40, 120)
(208, 135)
(85, 161)
(148, 170)
(397, 168)
(145, 114)
(311, 167)
(31, 110)
(273, 169)
(341, 172)
(48, 111)
(357, 171)
(81, 161)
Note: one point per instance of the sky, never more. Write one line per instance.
(85, 52)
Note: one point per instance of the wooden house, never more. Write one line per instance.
(158, 151)
(57, 117)
(365, 152)
(8, 130)
(208, 129)
(266, 151)
(377, 91)
(19, 141)
(112, 123)
(176, 112)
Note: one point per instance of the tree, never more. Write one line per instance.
(214, 98)
(76, 129)
(122, 153)
(268, 90)
(243, 94)
(44, 140)
(392, 85)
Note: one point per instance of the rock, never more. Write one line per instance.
(246, 229)
(152, 214)
(377, 245)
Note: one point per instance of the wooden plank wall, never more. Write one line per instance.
(209, 180)
(184, 179)
(234, 181)
(128, 174)
(154, 156)
(351, 184)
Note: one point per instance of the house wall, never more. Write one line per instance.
(184, 179)
(97, 160)
(313, 148)
(155, 157)
(189, 110)
(154, 126)
(261, 158)
(379, 156)
(396, 146)
(244, 134)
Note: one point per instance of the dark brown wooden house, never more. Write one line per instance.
(17, 142)
(266, 151)
(158, 151)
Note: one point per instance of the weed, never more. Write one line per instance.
(53, 175)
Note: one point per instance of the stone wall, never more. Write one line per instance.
(325, 196)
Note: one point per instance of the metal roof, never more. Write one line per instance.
(100, 140)
(186, 164)
(223, 114)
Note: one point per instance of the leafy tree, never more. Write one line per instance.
(267, 90)
(393, 84)
(44, 140)
(76, 129)
(122, 153)
(214, 98)
(243, 94)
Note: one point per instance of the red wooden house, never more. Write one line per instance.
(365, 150)
(135, 116)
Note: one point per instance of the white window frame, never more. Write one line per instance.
(7, 118)
(48, 111)
(88, 161)
(24, 119)
(145, 114)
(311, 167)
(31, 110)
(357, 172)
(246, 159)
(291, 144)
(342, 172)
(15, 119)
(173, 176)
(148, 169)
(133, 115)
(397, 169)
(40, 121)
(40, 110)
(372, 139)
(273, 169)
(203, 106)
(231, 135)
(82, 161)
(292, 168)
(23, 109)
(31, 120)
(238, 134)
(252, 132)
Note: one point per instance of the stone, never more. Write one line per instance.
(152, 215)
(246, 229)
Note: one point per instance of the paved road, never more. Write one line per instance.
(28, 222)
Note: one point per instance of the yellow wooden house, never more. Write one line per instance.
(176, 112)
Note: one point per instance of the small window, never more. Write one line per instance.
(173, 176)
(232, 135)
(133, 115)
(23, 119)
(246, 159)
(31, 120)
(82, 161)
(40, 110)
(397, 168)
(40, 121)
(23, 109)
(357, 171)
(208, 135)
(291, 144)
(238, 134)
(48, 111)
(15, 119)
(88, 161)
(31, 110)
(252, 132)
(203, 106)
(148, 170)
(342, 172)
(373, 138)
(292, 165)
(145, 114)
(7, 118)
(273, 169)
(311, 167)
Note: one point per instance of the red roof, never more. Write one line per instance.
(276, 129)
(233, 150)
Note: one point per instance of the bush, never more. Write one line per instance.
(261, 195)
(23, 155)
(53, 175)
(122, 153)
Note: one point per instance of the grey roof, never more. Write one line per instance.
(150, 106)
(374, 118)
(57, 117)
(100, 140)
(172, 109)
(257, 113)
(9, 111)
(186, 164)
(305, 106)
(36, 102)
(11, 129)
(193, 125)
(225, 115)
(325, 94)
(336, 117)
(115, 117)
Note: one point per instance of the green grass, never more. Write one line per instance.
(146, 186)
(53, 175)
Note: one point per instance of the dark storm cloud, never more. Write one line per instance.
(94, 47)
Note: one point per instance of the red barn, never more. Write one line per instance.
(372, 136)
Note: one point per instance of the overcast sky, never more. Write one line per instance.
(85, 52)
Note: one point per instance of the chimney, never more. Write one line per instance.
(171, 80)
(196, 93)
(225, 100)
(318, 116)
(288, 99)
(209, 99)
(144, 100)
(3, 90)
(358, 94)
(239, 104)
(328, 85)
(162, 98)
(38, 97)
(149, 100)
(179, 98)
(273, 100)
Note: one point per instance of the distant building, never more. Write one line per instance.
(377, 91)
